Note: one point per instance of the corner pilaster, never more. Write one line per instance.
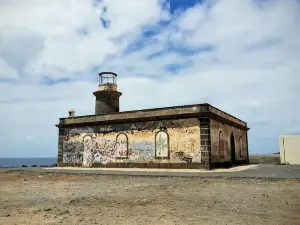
(60, 146)
(205, 142)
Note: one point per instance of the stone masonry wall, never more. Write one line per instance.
(221, 142)
(175, 141)
(226, 115)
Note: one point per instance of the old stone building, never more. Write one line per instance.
(189, 136)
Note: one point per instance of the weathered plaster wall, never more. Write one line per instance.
(221, 150)
(290, 149)
(157, 141)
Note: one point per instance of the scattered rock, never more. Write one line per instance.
(36, 211)
(47, 209)
(7, 215)
(64, 212)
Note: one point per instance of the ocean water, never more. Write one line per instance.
(18, 162)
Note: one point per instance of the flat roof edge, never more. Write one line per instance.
(157, 109)
(227, 113)
(154, 118)
(142, 110)
(290, 135)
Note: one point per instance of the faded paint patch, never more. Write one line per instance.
(142, 150)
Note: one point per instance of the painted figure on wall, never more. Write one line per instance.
(162, 145)
(88, 155)
(122, 146)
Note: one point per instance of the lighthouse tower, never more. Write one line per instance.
(107, 96)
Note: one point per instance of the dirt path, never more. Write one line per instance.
(27, 198)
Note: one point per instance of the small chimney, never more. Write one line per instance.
(71, 113)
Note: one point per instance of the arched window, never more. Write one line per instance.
(162, 145)
(241, 147)
(221, 145)
(121, 146)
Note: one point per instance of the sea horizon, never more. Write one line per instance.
(27, 161)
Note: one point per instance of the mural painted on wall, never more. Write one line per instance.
(73, 152)
(93, 148)
(100, 150)
(161, 145)
(142, 150)
(105, 144)
(122, 146)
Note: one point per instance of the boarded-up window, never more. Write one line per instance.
(121, 146)
(221, 145)
(162, 145)
(241, 147)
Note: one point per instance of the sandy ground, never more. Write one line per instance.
(158, 170)
(29, 198)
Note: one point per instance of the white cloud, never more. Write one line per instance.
(251, 72)
(67, 36)
(7, 72)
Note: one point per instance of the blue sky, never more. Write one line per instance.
(240, 56)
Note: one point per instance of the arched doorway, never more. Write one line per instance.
(232, 146)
